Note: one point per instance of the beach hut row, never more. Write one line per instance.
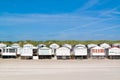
(55, 51)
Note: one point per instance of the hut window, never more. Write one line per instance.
(93, 50)
(3, 50)
(45, 52)
(102, 50)
(7, 50)
(0, 50)
(99, 50)
(96, 51)
(11, 50)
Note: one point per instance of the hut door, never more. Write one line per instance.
(0, 51)
(35, 52)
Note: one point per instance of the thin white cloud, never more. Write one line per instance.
(89, 4)
(108, 12)
(99, 21)
(116, 12)
(82, 26)
(44, 19)
(71, 21)
(104, 29)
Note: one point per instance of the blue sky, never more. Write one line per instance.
(59, 20)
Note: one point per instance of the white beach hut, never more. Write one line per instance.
(91, 45)
(45, 53)
(41, 45)
(80, 52)
(63, 53)
(80, 45)
(97, 52)
(2, 45)
(116, 45)
(67, 45)
(105, 45)
(17, 46)
(28, 46)
(9, 52)
(27, 51)
(54, 46)
(114, 52)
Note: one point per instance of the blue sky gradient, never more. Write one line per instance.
(59, 20)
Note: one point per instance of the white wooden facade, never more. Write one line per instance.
(54, 46)
(17, 46)
(114, 51)
(45, 51)
(80, 51)
(80, 45)
(63, 51)
(97, 51)
(116, 45)
(27, 50)
(67, 45)
(9, 51)
(105, 45)
(2, 45)
(91, 45)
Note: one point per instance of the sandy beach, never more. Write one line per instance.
(90, 69)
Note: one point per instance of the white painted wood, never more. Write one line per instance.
(28, 46)
(45, 51)
(63, 51)
(35, 57)
(9, 51)
(91, 45)
(54, 46)
(116, 45)
(80, 51)
(2, 45)
(15, 45)
(80, 45)
(19, 51)
(114, 51)
(27, 52)
(105, 45)
(67, 45)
